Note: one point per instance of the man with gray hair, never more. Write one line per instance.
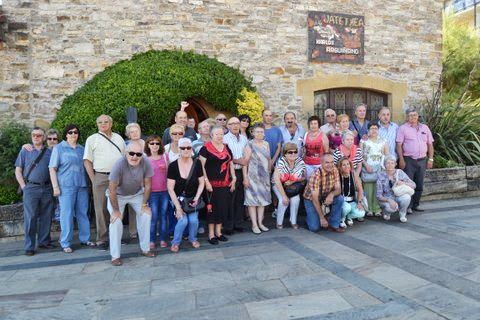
(415, 153)
(181, 118)
(31, 172)
(330, 119)
(360, 124)
(130, 182)
(102, 150)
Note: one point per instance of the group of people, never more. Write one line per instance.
(224, 172)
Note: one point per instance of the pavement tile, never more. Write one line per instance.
(33, 300)
(46, 273)
(357, 297)
(235, 265)
(139, 273)
(66, 312)
(293, 307)
(197, 282)
(242, 293)
(273, 271)
(231, 312)
(183, 256)
(250, 250)
(313, 283)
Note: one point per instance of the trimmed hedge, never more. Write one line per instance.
(154, 82)
(12, 136)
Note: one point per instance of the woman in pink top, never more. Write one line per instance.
(335, 137)
(159, 197)
(315, 144)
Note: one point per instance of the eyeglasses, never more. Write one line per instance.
(72, 132)
(221, 119)
(185, 148)
(177, 133)
(37, 135)
(292, 152)
(52, 138)
(154, 143)
(138, 154)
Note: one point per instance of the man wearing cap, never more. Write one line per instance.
(31, 172)
(102, 150)
(236, 142)
(130, 183)
(415, 153)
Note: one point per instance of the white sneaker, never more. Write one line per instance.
(409, 211)
(263, 228)
(369, 214)
(256, 230)
(342, 224)
(201, 230)
(403, 219)
(350, 222)
(386, 217)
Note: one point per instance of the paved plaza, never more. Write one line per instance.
(427, 268)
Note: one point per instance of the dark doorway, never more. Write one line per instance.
(198, 110)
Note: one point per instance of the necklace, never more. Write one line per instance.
(349, 185)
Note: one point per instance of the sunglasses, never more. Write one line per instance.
(185, 148)
(52, 139)
(154, 143)
(245, 120)
(222, 119)
(292, 152)
(138, 154)
(37, 135)
(177, 133)
(72, 132)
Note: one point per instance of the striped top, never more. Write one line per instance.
(355, 155)
(236, 145)
(287, 173)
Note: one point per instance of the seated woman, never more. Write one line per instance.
(351, 187)
(385, 196)
(185, 180)
(289, 169)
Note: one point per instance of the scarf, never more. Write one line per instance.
(353, 151)
(222, 155)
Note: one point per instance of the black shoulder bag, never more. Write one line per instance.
(34, 165)
(112, 143)
(186, 201)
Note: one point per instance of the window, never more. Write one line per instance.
(344, 100)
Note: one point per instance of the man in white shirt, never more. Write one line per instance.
(330, 121)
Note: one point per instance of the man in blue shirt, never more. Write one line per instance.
(387, 130)
(273, 135)
(360, 124)
(37, 192)
(292, 132)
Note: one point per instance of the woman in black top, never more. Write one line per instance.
(177, 176)
(220, 180)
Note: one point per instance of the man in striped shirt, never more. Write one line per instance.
(324, 188)
(236, 142)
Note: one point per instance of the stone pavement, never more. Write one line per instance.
(427, 269)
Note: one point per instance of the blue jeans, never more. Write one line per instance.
(191, 220)
(313, 220)
(73, 203)
(159, 202)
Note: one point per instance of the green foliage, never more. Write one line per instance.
(12, 136)
(8, 195)
(154, 82)
(455, 130)
(461, 58)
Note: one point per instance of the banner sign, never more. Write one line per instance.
(335, 37)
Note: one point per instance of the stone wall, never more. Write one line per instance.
(52, 47)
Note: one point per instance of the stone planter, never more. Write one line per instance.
(11, 220)
(451, 183)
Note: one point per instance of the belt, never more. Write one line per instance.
(106, 173)
(39, 183)
(348, 199)
(419, 159)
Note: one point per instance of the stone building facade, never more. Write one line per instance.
(50, 48)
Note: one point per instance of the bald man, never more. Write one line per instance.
(181, 119)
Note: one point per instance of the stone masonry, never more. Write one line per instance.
(50, 48)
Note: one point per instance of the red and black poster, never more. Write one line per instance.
(335, 37)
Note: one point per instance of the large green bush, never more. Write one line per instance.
(12, 136)
(154, 82)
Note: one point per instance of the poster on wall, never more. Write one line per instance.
(335, 37)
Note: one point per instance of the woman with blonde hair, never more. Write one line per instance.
(335, 137)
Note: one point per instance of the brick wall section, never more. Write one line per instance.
(52, 47)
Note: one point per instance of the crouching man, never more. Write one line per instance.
(324, 188)
(130, 183)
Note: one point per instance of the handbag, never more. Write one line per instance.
(400, 190)
(294, 189)
(34, 165)
(186, 201)
(371, 176)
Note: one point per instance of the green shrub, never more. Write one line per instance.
(441, 162)
(12, 136)
(154, 82)
(8, 195)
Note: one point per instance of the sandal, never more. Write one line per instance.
(163, 244)
(196, 244)
(67, 250)
(88, 244)
(152, 246)
(174, 248)
(279, 226)
(295, 226)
